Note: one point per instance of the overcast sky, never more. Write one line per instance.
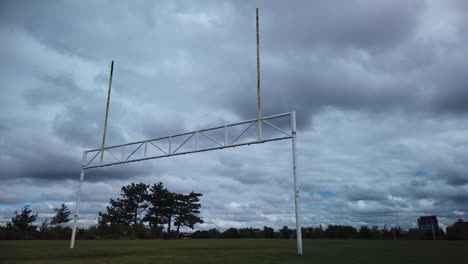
(380, 89)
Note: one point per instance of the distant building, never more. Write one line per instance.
(428, 224)
(459, 230)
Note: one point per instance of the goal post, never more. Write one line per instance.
(139, 151)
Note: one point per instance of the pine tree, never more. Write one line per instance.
(24, 219)
(62, 215)
(156, 216)
(128, 210)
(187, 210)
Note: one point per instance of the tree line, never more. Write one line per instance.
(330, 232)
(126, 231)
(142, 211)
(142, 207)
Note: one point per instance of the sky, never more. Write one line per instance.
(379, 88)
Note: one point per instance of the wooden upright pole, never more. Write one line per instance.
(107, 112)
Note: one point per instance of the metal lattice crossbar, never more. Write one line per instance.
(127, 152)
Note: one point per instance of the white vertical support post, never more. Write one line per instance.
(296, 188)
(77, 210)
(225, 136)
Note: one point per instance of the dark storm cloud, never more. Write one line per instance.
(325, 30)
(124, 30)
(345, 56)
(454, 176)
(313, 91)
(360, 24)
(442, 195)
(125, 171)
(356, 193)
(316, 41)
(452, 82)
(54, 166)
(8, 198)
(246, 176)
(54, 90)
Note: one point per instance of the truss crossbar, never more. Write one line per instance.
(185, 137)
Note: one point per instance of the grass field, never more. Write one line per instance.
(233, 251)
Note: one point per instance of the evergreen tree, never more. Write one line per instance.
(169, 203)
(24, 219)
(134, 202)
(156, 215)
(62, 215)
(187, 210)
(128, 210)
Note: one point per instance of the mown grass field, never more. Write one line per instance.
(233, 251)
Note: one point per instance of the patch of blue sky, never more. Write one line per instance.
(34, 196)
(327, 194)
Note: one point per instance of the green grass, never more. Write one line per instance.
(233, 251)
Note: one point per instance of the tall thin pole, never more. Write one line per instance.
(107, 112)
(77, 210)
(433, 232)
(394, 230)
(77, 207)
(296, 188)
(259, 108)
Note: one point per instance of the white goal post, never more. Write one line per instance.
(140, 151)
